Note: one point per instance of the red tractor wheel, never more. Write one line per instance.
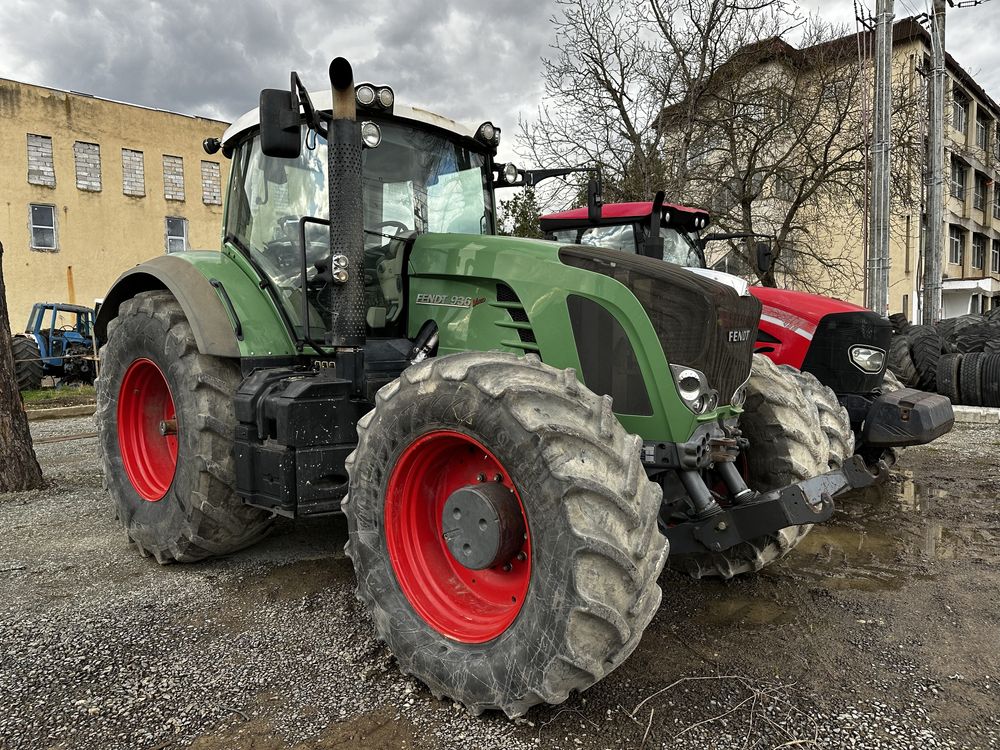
(502, 530)
(166, 425)
(468, 583)
(145, 411)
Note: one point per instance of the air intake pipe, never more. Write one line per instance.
(346, 300)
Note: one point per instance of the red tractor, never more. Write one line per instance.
(843, 345)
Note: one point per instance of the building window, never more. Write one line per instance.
(133, 173)
(959, 176)
(956, 245)
(982, 132)
(88, 166)
(43, 227)
(211, 184)
(959, 110)
(979, 194)
(996, 202)
(177, 231)
(996, 256)
(173, 178)
(978, 251)
(40, 168)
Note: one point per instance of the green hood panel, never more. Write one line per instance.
(459, 282)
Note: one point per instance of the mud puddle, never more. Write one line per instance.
(882, 537)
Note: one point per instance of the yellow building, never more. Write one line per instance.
(90, 187)
(970, 256)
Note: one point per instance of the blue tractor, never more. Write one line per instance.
(57, 341)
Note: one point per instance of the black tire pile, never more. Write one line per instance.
(957, 357)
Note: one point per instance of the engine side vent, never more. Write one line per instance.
(509, 301)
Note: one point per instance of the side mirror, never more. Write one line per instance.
(765, 257)
(594, 199)
(279, 124)
(653, 246)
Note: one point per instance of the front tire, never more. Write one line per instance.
(787, 445)
(581, 584)
(166, 426)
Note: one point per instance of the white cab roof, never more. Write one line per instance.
(323, 102)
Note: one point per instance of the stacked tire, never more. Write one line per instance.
(957, 357)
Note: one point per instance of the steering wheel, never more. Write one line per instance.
(397, 225)
(285, 224)
(67, 328)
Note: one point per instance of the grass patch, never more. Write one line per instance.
(62, 396)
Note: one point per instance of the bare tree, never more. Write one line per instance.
(19, 468)
(704, 99)
(616, 66)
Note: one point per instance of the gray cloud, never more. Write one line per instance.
(470, 60)
(971, 33)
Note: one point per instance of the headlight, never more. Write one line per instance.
(371, 134)
(386, 97)
(739, 396)
(509, 174)
(694, 390)
(868, 358)
(365, 94)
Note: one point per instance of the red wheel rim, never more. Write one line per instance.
(469, 606)
(150, 457)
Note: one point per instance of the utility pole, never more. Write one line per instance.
(934, 246)
(878, 251)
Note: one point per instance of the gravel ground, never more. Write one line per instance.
(879, 632)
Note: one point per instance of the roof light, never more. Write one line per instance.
(365, 94)
(488, 133)
(386, 97)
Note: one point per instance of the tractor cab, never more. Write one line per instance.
(627, 227)
(420, 173)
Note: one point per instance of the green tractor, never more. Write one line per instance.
(517, 431)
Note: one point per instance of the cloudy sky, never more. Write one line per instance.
(470, 60)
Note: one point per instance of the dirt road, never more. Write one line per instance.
(882, 631)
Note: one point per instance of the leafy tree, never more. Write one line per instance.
(520, 215)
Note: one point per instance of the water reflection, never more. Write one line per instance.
(884, 536)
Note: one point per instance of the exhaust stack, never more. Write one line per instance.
(346, 296)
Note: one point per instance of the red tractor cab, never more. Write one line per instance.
(842, 344)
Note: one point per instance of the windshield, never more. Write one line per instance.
(682, 248)
(678, 247)
(416, 181)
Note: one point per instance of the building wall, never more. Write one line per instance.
(110, 205)
(906, 246)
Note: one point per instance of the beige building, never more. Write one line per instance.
(970, 257)
(835, 223)
(90, 187)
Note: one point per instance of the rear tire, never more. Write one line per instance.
(787, 445)
(179, 507)
(593, 550)
(27, 363)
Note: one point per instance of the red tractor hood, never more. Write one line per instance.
(807, 308)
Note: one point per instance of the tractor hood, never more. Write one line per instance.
(803, 309)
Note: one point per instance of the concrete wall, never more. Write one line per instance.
(105, 223)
